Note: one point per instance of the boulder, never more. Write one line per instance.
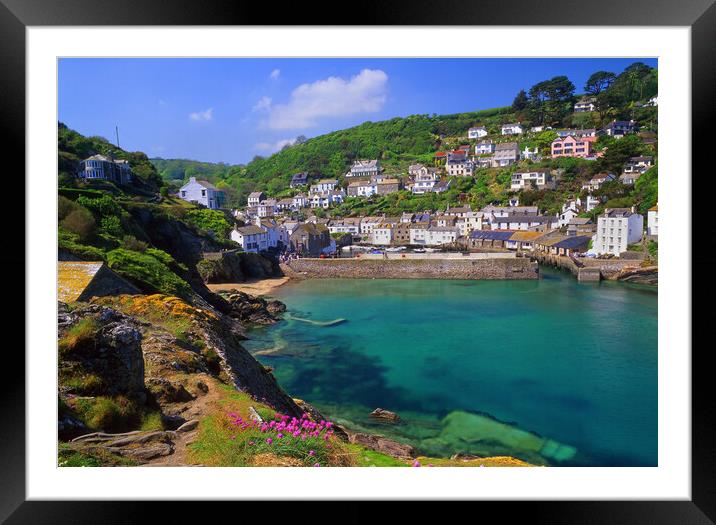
(385, 415)
(383, 445)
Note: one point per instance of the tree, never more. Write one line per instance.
(301, 139)
(551, 100)
(598, 82)
(520, 101)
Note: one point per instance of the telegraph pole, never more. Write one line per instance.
(116, 131)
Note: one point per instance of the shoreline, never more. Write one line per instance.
(255, 287)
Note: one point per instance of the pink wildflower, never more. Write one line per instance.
(311, 452)
(316, 464)
(269, 440)
(279, 435)
(417, 463)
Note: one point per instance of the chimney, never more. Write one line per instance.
(192, 179)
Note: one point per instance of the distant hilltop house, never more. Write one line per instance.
(476, 132)
(619, 128)
(616, 229)
(102, 167)
(512, 129)
(299, 179)
(82, 280)
(203, 192)
(585, 104)
(364, 168)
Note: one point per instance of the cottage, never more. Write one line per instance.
(504, 211)
(202, 192)
(386, 186)
(476, 132)
(629, 178)
(102, 167)
(468, 222)
(522, 240)
(530, 154)
(539, 179)
(323, 185)
(616, 229)
(512, 129)
(251, 238)
(598, 181)
(638, 164)
(364, 168)
(300, 201)
(489, 238)
(82, 280)
(310, 240)
(271, 228)
(440, 235)
(362, 189)
(563, 245)
(619, 128)
(458, 165)
(299, 179)
(348, 225)
(383, 234)
(485, 147)
(505, 154)
(581, 226)
(256, 197)
(267, 208)
(521, 221)
(424, 181)
(458, 211)
(284, 205)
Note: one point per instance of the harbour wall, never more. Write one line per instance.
(466, 268)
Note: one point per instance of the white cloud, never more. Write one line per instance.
(275, 74)
(269, 147)
(207, 114)
(262, 104)
(330, 97)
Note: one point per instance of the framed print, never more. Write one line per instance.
(431, 244)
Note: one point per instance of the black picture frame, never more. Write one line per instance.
(16, 15)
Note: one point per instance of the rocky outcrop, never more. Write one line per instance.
(140, 446)
(256, 310)
(111, 351)
(383, 445)
(645, 275)
(234, 267)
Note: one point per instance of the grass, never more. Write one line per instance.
(111, 414)
(80, 334)
(70, 456)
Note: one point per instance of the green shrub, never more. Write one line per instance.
(111, 414)
(211, 221)
(80, 222)
(69, 241)
(148, 272)
(130, 242)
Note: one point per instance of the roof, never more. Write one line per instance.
(512, 124)
(440, 154)
(327, 181)
(525, 236)
(495, 235)
(506, 145)
(580, 220)
(208, 185)
(73, 277)
(520, 218)
(477, 127)
(617, 212)
(255, 194)
(250, 230)
(654, 208)
(571, 242)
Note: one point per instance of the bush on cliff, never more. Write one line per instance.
(211, 221)
(150, 272)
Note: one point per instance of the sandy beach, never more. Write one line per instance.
(257, 287)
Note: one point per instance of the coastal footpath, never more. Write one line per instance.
(468, 268)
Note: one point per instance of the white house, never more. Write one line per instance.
(616, 229)
(485, 147)
(347, 225)
(272, 231)
(566, 216)
(505, 154)
(539, 178)
(202, 192)
(106, 168)
(477, 132)
(364, 168)
(301, 201)
(362, 189)
(585, 104)
(530, 153)
(368, 224)
(323, 185)
(652, 221)
(424, 181)
(512, 129)
(382, 234)
(598, 180)
(256, 197)
(460, 167)
(638, 164)
(250, 238)
(469, 222)
(437, 235)
(521, 221)
(267, 208)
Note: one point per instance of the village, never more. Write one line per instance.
(304, 226)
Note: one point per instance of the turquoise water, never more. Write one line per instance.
(551, 371)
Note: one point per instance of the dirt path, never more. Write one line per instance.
(259, 287)
(193, 410)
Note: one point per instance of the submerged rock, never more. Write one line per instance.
(257, 310)
(385, 415)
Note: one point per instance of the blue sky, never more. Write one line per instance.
(228, 110)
